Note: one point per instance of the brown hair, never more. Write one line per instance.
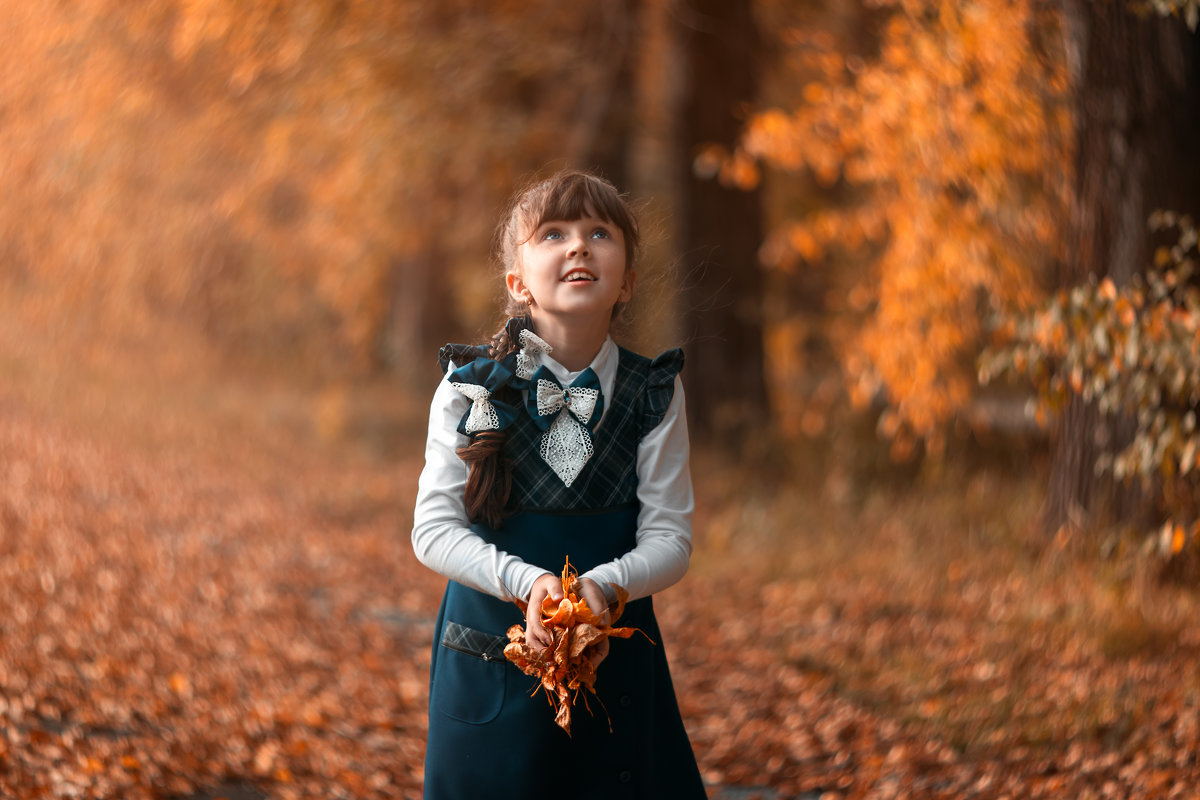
(567, 195)
(489, 481)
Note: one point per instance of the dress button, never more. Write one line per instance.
(626, 776)
(626, 701)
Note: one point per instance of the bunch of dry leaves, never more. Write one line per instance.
(565, 668)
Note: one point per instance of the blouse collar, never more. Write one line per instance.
(538, 353)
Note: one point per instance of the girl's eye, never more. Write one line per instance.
(600, 233)
(553, 234)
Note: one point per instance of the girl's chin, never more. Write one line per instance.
(575, 311)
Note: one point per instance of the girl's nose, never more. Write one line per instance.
(577, 247)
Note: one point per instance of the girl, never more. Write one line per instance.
(554, 442)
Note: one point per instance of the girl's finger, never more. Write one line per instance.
(536, 633)
(599, 653)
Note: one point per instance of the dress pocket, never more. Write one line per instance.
(469, 682)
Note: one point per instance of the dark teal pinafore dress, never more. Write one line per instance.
(491, 731)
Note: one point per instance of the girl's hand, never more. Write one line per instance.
(536, 635)
(596, 600)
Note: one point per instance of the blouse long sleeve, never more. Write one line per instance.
(664, 529)
(442, 537)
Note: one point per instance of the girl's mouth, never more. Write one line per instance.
(579, 275)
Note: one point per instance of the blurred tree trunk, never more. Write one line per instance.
(421, 313)
(603, 129)
(720, 228)
(1138, 118)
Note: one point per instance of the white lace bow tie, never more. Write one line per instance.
(566, 415)
(579, 400)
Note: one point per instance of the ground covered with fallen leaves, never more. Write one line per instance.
(196, 611)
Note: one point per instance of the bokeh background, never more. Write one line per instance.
(932, 267)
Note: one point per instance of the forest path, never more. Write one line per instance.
(220, 614)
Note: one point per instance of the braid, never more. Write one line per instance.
(502, 344)
(508, 338)
(489, 480)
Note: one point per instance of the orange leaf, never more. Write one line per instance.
(584, 637)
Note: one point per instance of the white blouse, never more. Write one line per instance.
(444, 542)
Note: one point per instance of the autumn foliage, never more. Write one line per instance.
(942, 157)
(301, 181)
(1135, 351)
(565, 669)
(316, 182)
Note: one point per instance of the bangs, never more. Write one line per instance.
(576, 195)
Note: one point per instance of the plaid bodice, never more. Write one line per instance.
(642, 392)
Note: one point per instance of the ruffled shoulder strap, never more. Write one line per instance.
(460, 354)
(660, 387)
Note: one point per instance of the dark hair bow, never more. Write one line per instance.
(481, 380)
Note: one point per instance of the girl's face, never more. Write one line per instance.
(572, 269)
